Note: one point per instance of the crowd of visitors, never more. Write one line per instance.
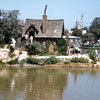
(75, 46)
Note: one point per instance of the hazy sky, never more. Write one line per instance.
(69, 10)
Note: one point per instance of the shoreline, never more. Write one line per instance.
(73, 65)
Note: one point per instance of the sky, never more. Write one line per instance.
(69, 10)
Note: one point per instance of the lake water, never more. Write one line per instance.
(49, 84)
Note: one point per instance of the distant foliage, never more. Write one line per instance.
(51, 60)
(62, 46)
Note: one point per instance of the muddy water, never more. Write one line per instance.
(49, 84)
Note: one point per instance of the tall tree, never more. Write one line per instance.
(95, 28)
(11, 25)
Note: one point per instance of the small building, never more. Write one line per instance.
(42, 30)
(74, 38)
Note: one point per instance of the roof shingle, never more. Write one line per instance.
(54, 28)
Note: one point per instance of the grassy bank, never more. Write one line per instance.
(52, 62)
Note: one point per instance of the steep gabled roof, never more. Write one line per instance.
(54, 28)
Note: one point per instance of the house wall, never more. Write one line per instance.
(44, 40)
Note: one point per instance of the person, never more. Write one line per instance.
(13, 42)
(12, 45)
(96, 53)
(68, 50)
(76, 49)
(26, 36)
(31, 39)
(99, 42)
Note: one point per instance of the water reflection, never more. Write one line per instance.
(46, 84)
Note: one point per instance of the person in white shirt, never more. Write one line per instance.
(31, 39)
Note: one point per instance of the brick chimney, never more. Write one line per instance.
(45, 21)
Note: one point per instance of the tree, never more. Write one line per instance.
(77, 32)
(10, 24)
(87, 37)
(1, 35)
(95, 28)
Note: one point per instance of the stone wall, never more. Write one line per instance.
(4, 54)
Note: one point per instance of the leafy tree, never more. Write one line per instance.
(87, 37)
(77, 32)
(10, 24)
(95, 28)
(1, 39)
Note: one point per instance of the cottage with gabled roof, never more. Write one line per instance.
(42, 30)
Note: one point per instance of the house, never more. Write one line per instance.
(42, 30)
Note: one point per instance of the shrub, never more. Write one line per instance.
(79, 60)
(34, 48)
(11, 52)
(1, 62)
(33, 61)
(44, 51)
(67, 62)
(13, 62)
(51, 60)
(92, 55)
(62, 46)
(1, 45)
(11, 55)
(94, 62)
(11, 49)
(21, 62)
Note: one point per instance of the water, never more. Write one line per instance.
(49, 84)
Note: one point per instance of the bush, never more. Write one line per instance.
(11, 49)
(79, 60)
(67, 62)
(44, 51)
(1, 62)
(94, 62)
(11, 54)
(34, 48)
(62, 46)
(33, 61)
(1, 45)
(51, 60)
(12, 62)
(92, 55)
